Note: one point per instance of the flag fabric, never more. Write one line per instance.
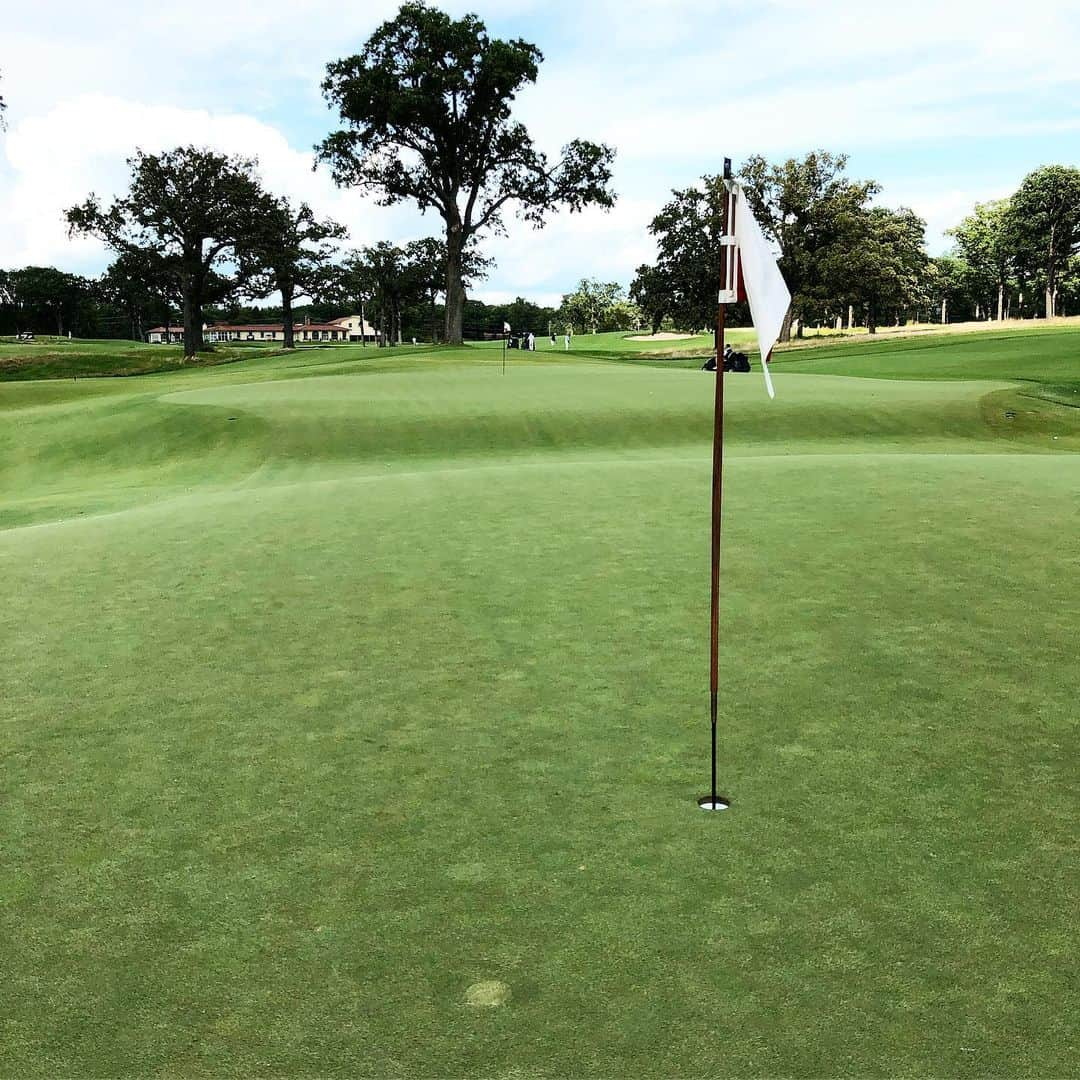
(506, 328)
(766, 291)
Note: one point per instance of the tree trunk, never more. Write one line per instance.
(286, 317)
(193, 339)
(455, 287)
(1001, 300)
(1051, 277)
(871, 319)
(363, 324)
(59, 322)
(785, 326)
(944, 310)
(434, 323)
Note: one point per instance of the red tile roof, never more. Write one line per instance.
(252, 328)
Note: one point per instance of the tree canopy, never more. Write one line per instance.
(598, 305)
(986, 241)
(878, 264)
(807, 206)
(42, 298)
(1044, 217)
(683, 283)
(287, 250)
(188, 208)
(426, 106)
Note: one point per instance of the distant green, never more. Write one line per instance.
(337, 683)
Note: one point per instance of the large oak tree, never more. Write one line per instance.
(288, 250)
(190, 208)
(426, 106)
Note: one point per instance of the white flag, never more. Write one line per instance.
(766, 290)
(506, 328)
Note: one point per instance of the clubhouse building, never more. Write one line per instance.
(349, 328)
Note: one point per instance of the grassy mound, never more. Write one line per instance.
(61, 358)
(339, 684)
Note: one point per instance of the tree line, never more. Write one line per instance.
(425, 110)
(426, 116)
(849, 260)
(398, 305)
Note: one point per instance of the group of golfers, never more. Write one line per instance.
(527, 341)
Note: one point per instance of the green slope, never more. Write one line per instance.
(335, 685)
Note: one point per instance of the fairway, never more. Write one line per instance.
(338, 683)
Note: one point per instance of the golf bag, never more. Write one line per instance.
(734, 361)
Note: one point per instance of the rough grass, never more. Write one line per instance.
(339, 684)
(61, 358)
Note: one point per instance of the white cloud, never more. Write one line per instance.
(674, 84)
(80, 146)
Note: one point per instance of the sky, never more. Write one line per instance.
(944, 102)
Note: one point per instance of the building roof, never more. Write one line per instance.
(250, 327)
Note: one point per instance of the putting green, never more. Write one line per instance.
(335, 690)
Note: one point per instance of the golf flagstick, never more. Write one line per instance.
(715, 801)
(747, 267)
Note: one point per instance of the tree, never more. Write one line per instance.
(623, 314)
(426, 105)
(425, 271)
(141, 285)
(591, 304)
(651, 292)
(188, 207)
(805, 206)
(43, 296)
(879, 262)
(288, 251)
(954, 288)
(376, 277)
(1044, 215)
(683, 284)
(986, 243)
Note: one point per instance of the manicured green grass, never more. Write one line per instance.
(62, 358)
(339, 682)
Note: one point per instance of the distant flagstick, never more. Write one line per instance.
(746, 263)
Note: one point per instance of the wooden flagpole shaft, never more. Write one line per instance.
(717, 514)
(717, 517)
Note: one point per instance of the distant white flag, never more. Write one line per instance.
(506, 328)
(766, 290)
